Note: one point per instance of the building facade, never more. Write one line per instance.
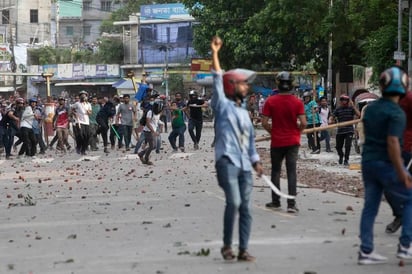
(77, 22)
(25, 21)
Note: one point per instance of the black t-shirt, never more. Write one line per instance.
(196, 113)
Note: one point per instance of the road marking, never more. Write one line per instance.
(180, 155)
(87, 158)
(42, 160)
(130, 157)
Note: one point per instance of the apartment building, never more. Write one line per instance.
(77, 22)
(25, 21)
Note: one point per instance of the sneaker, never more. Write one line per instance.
(404, 252)
(182, 149)
(274, 206)
(346, 163)
(315, 151)
(105, 150)
(244, 256)
(340, 160)
(175, 150)
(371, 258)
(292, 209)
(149, 163)
(394, 226)
(196, 146)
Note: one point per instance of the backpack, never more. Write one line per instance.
(143, 119)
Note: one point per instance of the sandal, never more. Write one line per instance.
(244, 256)
(227, 253)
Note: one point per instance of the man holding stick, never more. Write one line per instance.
(288, 121)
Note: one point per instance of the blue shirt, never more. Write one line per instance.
(382, 118)
(235, 137)
(309, 107)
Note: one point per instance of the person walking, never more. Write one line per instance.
(324, 114)
(344, 113)
(382, 165)
(106, 112)
(178, 128)
(288, 119)
(26, 131)
(127, 115)
(82, 110)
(235, 152)
(93, 124)
(313, 120)
(195, 114)
(61, 125)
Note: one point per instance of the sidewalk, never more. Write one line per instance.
(99, 214)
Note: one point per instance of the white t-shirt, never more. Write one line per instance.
(154, 120)
(27, 118)
(81, 109)
(324, 115)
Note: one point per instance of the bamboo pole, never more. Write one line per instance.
(315, 129)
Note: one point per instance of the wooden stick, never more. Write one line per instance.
(315, 129)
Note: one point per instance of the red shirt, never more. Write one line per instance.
(406, 105)
(284, 111)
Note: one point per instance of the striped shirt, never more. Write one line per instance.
(344, 114)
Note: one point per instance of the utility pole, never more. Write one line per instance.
(13, 65)
(400, 10)
(329, 83)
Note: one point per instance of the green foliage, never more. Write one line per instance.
(284, 34)
(110, 52)
(175, 82)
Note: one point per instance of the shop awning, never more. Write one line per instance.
(84, 84)
(6, 89)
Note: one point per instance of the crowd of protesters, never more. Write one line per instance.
(86, 122)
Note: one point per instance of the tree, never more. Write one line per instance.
(284, 34)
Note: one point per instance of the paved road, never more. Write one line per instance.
(110, 214)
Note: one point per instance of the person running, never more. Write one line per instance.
(178, 128)
(195, 113)
(284, 110)
(150, 131)
(344, 113)
(82, 110)
(382, 165)
(235, 152)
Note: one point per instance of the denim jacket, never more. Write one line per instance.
(235, 136)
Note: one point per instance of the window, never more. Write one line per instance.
(87, 5)
(106, 5)
(5, 17)
(34, 16)
(34, 40)
(87, 30)
(69, 30)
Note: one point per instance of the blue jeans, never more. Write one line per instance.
(237, 185)
(177, 132)
(379, 176)
(324, 135)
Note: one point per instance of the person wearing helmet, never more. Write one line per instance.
(288, 118)
(150, 131)
(82, 110)
(345, 112)
(313, 120)
(195, 114)
(382, 165)
(235, 151)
